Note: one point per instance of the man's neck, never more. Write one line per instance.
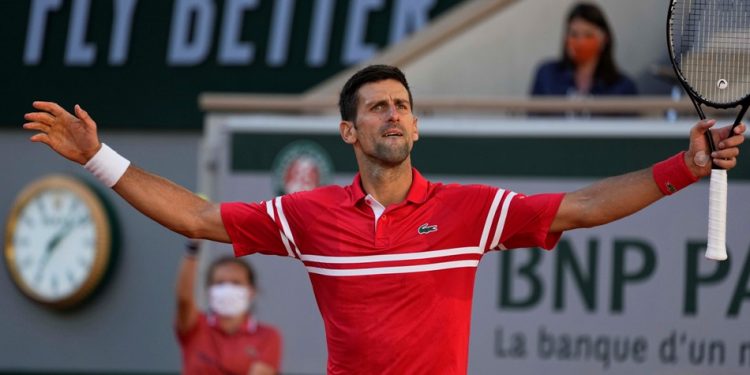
(388, 185)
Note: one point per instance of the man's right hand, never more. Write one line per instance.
(169, 204)
(73, 137)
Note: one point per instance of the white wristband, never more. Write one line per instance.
(107, 165)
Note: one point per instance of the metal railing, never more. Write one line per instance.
(632, 105)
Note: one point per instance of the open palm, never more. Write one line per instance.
(73, 137)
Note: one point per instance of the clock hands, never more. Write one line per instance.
(51, 245)
(61, 243)
(66, 229)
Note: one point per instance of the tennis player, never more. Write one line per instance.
(392, 257)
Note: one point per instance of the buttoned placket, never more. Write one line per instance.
(381, 240)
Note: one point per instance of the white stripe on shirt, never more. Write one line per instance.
(390, 257)
(285, 225)
(269, 211)
(394, 270)
(488, 222)
(501, 221)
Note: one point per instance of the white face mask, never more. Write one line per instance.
(228, 299)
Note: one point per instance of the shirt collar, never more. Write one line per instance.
(250, 323)
(417, 192)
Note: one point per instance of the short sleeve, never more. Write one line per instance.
(528, 221)
(184, 337)
(255, 228)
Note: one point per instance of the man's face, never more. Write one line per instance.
(385, 128)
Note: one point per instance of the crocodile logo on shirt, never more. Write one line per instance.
(426, 228)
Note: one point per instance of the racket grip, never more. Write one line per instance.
(717, 215)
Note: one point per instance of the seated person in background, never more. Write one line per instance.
(587, 66)
(227, 339)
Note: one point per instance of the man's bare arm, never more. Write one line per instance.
(76, 139)
(606, 201)
(617, 197)
(171, 205)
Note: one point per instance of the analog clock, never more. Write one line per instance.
(59, 241)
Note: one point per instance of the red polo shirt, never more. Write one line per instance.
(207, 350)
(395, 295)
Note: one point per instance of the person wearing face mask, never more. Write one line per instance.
(227, 339)
(587, 66)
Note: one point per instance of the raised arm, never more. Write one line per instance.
(75, 138)
(187, 310)
(616, 197)
(171, 205)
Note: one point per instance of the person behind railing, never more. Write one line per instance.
(587, 67)
(227, 339)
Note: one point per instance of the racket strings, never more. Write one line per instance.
(711, 46)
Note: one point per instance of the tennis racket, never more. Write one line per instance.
(709, 45)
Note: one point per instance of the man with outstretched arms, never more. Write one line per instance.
(391, 257)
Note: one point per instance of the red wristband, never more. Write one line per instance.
(672, 175)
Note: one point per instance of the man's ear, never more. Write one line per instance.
(348, 132)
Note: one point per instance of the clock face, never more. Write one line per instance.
(59, 240)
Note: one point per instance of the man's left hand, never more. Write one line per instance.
(699, 157)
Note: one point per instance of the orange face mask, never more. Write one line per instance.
(583, 49)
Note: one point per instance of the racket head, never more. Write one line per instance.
(709, 47)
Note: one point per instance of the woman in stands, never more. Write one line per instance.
(586, 66)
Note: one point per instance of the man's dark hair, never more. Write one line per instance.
(230, 260)
(349, 97)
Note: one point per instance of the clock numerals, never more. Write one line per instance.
(28, 222)
(85, 219)
(23, 241)
(83, 262)
(60, 241)
(37, 279)
(26, 262)
(75, 205)
(39, 204)
(54, 284)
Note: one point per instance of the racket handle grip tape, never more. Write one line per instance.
(717, 215)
